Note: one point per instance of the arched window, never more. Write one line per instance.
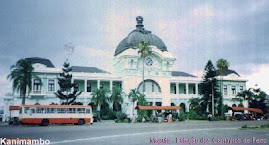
(150, 87)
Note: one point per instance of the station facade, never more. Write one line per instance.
(163, 85)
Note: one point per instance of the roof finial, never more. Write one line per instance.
(139, 20)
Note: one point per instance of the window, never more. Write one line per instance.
(81, 110)
(225, 90)
(50, 110)
(76, 87)
(233, 90)
(51, 85)
(175, 89)
(89, 87)
(151, 86)
(40, 110)
(101, 86)
(167, 66)
(241, 88)
(61, 110)
(185, 90)
(132, 63)
(37, 84)
(193, 89)
(88, 110)
(32, 110)
(71, 110)
(27, 110)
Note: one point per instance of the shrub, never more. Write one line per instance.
(121, 116)
(182, 117)
(218, 118)
(139, 118)
(244, 126)
(108, 114)
(265, 126)
(194, 116)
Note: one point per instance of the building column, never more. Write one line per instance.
(177, 89)
(72, 89)
(55, 85)
(111, 85)
(85, 85)
(196, 88)
(98, 84)
(187, 88)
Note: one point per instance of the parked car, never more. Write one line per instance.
(239, 117)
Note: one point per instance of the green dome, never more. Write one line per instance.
(138, 35)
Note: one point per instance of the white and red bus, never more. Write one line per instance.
(55, 114)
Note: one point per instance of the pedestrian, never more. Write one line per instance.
(209, 117)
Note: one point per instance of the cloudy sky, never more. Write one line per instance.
(194, 32)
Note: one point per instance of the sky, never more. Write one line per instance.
(193, 31)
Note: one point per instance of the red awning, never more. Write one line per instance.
(249, 109)
(158, 107)
(14, 108)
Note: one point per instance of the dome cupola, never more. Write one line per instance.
(138, 35)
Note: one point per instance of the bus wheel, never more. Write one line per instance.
(81, 122)
(45, 122)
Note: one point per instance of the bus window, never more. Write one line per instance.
(88, 110)
(61, 110)
(26, 110)
(40, 110)
(71, 110)
(81, 110)
(32, 111)
(52, 110)
(47, 110)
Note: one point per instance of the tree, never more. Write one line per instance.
(195, 105)
(133, 96)
(223, 66)
(142, 102)
(116, 98)
(66, 85)
(258, 100)
(21, 75)
(144, 51)
(99, 98)
(245, 95)
(209, 83)
(255, 97)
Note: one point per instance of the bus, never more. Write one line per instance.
(55, 114)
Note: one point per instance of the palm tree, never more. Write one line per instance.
(116, 98)
(222, 65)
(99, 98)
(21, 75)
(133, 96)
(144, 51)
(245, 95)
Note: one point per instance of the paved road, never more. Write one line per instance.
(188, 132)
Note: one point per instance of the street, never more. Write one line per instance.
(107, 132)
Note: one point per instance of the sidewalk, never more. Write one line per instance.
(3, 124)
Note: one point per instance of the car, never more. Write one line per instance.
(239, 117)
